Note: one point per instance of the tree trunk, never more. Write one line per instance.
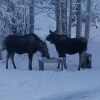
(70, 19)
(57, 13)
(79, 22)
(64, 17)
(87, 25)
(31, 17)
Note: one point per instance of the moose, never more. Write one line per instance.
(66, 45)
(29, 43)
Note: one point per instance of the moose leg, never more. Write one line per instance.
(64, 62)
(79, 62)
(58, 65)
(30, 55)
(7, 58)
(12, 59)
(81, 59)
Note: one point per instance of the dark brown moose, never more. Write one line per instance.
(28, 43)
(65, 45)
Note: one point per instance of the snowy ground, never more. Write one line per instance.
(52, 84)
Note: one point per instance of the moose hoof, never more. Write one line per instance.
(15, 68)
(66, 67)
(78, 69)
(30, 69)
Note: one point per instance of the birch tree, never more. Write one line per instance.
(61, 16)
(70, 19)
(87, 25)
(31, 17)
(78, 25)
(58, 16)
(64, 16)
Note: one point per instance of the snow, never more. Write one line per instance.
(52, 84)
(47, 85)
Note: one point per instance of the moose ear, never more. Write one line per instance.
(50, 31)
(56, 31)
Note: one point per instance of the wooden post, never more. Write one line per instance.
(41, 66)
